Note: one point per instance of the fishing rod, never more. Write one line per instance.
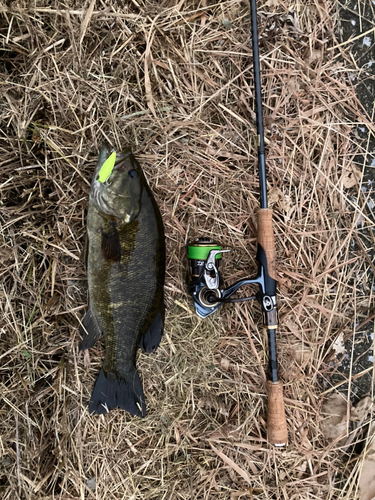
(206, 284)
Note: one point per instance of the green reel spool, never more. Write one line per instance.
(199, 249)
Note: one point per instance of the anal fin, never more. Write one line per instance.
(150, 340)
(90, 331)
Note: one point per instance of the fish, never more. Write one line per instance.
(125, 262)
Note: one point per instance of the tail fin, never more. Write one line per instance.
(111, 392)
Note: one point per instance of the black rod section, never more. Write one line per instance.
(272, 355)
(258, 101)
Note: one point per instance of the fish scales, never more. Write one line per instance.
(126, 267)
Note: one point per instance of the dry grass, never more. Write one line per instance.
(171, 80)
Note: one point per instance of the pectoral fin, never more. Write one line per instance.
(150, 340)
(111, 247)
(90, 331)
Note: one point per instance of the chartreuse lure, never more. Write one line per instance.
(107, 168)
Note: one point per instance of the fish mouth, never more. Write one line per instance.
(105, 153)
(120, 158)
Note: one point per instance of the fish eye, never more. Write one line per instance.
(133, 173)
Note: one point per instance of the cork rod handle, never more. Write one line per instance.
(276, 422)
(267, 240)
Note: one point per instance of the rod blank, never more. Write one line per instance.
(276, 422)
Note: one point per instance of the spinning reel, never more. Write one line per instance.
(206, 285)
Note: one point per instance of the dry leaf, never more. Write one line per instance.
(86, 358)
(6, 253)
(351, 177)
(213, 404)
(232, 464)
(87, 19)
(225, 364)
(278, 198)
(292, 326)
(272, 3)
(273, 195)
(148, 89)
(282, 475)
(238, 494)
(302, 467)
(294, 85)
(367, 477)
(338, 345)
(360, 410)
(303, 432)
(302, 354)
(334, 415)
(177, 434)
(314, 55)
(91, 483)
(300, 351)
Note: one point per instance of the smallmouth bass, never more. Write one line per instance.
(125, 271)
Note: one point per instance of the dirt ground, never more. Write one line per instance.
(174, 81)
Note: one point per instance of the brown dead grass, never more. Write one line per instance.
(169, 79)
